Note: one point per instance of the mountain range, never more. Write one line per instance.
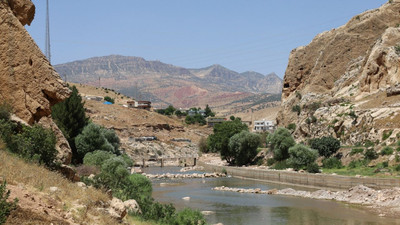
(165, 84)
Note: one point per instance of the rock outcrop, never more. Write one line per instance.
(345, 82)
(28, 81)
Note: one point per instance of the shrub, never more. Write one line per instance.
(313, 168)
(326, 146)
(353, 115)
(169, 110)
(97, 158)
(386, 151)
(5, 111)
(301, 156)
(5, 206)
(280, 142)
(280, 165)
(134, 186)
(242, 148)
(298, 95)
(397, 168)
(332, 163)
(370, 154)
(291, 126)
(270, 161)
(203, 145)
(386, 135)
(297, 109)
(95, 137)
(189, 217)
(36, 143)
(357, 163)
(109, 99)
(368, 144)
(356, 151)
(151, 210)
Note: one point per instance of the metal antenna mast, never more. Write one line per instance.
(47, 47)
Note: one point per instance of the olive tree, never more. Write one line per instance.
(242, 148)
(280, 142)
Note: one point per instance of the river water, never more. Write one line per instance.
(231, 208)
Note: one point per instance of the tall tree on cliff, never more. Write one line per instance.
(70, 117)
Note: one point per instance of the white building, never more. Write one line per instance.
(264, 125)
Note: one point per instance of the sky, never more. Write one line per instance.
(242, 35)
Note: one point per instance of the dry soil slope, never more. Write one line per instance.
(346, 73)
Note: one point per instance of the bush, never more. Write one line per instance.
(97, 158)
(280, 165)
(357, 163)
(370, 154)
(291, 126)
(356, 151)
(5, 111)
(397, 168)
(35, 143)
(203, 145)
(280, 142)
(270, 161)
(313, 168)
(368, 144)
(169, 110)
(297, 109)
(189, 217)
(109, 99)
(332, 163)
(5, 206)
(386, 135)
(134, 186)
(301, 156)
(242, 148)
(326, 146)
(95, 137)
(386, 151)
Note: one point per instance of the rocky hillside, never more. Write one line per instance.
(345, 83)
(167, 84)
(131, 124)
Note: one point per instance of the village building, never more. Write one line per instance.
(211, 121)
(139, 104)
(264, 125)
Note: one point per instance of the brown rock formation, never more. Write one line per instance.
(341, 78)
(28, 81)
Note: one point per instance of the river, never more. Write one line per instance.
(231, 208)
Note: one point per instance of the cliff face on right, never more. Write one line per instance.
(345, 83)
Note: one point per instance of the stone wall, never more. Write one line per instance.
(326, 181)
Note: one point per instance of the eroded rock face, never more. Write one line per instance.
(346, 80)
(28, 81)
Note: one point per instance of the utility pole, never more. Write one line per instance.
(47, 46)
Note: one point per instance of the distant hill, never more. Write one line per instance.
(168, 84)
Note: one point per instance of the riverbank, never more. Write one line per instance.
(380, 195)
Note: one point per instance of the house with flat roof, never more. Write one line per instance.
(263, 125)
(211, 121)
(139, 104)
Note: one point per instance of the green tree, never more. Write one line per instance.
(169, 110)
(219, 140)
(301, 156)
(70, 117)
(109, 99)
(242, 148)
(95, 137)
(208, 112)
(326, 146)
(5, 206)
(189, 217)
(97, 158)
(280, 142)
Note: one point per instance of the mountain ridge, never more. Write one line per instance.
(166, 83)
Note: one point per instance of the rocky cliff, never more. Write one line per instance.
(345, 83)
(28, 81)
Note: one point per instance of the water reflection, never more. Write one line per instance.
(232, 208)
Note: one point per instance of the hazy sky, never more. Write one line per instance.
(255, 35)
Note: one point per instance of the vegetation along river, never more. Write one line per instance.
(231, 208)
